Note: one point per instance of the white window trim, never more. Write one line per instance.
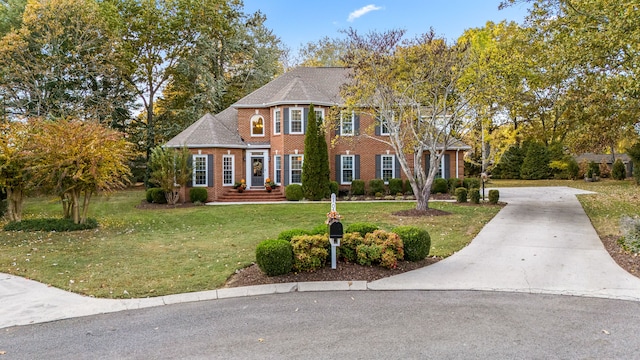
(393, 166)
(321, 111)
(233, 169)
(291, 168)
(353, 124)
(206, 171)
(255, 118)
(382, 126)
(353, 168)
(277, 119)
(277, 169)
(291, 110)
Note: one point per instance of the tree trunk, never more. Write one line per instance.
(66, 206)
(15, 199)
(75, 207)
(85, 206)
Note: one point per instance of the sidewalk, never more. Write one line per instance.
(542, 242)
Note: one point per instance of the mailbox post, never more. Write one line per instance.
(335, 230)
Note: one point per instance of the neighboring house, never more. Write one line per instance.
(607, 159)
(262, 136)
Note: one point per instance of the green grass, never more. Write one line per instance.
(612, 200)
(139, 253)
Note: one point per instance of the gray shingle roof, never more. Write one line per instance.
(220, 130)
(303, 85)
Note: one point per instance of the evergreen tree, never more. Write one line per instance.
(535, 165)
(511, 163)
(323, 150)
(619, 171)
(314, 186)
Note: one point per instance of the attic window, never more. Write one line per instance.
(257, 126)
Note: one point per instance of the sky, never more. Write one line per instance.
(298, 22)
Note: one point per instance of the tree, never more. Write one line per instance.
(324, 52)
(76, 159)
(535, 165)
(15, 160)
(415, 90)
(170, 170)
(60, 62)
(315, 179)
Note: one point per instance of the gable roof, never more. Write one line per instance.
(302, 85)
(601, 158)
(220, 130)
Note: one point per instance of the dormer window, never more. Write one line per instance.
(257, 126)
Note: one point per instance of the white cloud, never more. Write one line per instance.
(358, 13)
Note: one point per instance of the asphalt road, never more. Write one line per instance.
(350, 325)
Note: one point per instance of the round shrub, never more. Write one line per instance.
(380, 247)
(198, 195)
(395, 186)
(471, 183)
(619, 171)
(310, 252)
(362, 228)
(376, 186)
(455, 183)
(440, 186)
(357, 187)
(293, 192)
(461, 195)
(474, 195)
(348, 245)
(494, 196)
(275, 257)
(287, 235)
(157, 196)
(149, 195)
(408, 190)
(321, 229)
(334, 187)
(417, 242)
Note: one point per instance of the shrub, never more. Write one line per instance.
(380, 247)
(474, 195)
(293, 192)
(408, 190)
(58, 225)
(310, 252)
(362, 228)
(395, 186)
(357, 187)
(287, 235)
(594, 169)
(494, 196)
(149, 195)
(416, 242)
(619, 171)
(604, 170)
(440, 186)
(334, 188)
(573, 169)
(461, 195)
(275, 257)
(321, 229)
(455, 183)
(198, 194)
(376, 186)
(157, 196)
(630, 228)
(348, 245)
(470, 183)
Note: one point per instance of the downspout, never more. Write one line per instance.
(457, 164)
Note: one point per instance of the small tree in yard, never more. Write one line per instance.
(14, 162)
(170, 170)
(315, 178)
(535, 165)
(414, 89)
(76, 159)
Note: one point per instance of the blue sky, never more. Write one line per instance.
(297, 22)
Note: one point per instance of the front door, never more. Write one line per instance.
(257, 170)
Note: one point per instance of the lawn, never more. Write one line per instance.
(139, 253)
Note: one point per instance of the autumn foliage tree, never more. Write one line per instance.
(170, 170)
(14, 162)
(76, 159)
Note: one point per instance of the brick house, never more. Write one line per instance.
(262, 136)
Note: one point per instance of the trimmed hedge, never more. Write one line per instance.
(461, 195)
(395, 186)
(440, 186)
(619, 171)
(156, 195)
(494, 196)
(380, 248)
(293, 192)
(376, 186)
(348, 245)
(455, 183)
(362, 228)
(287, 235)
(58, 225)
(321, 229)
(198, 195)
(274, 257)
(474, 195)
(471, 183)
(357, 187)
(334, 187)
(310, 252)
(417, 242)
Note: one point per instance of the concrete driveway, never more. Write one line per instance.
(541, 242)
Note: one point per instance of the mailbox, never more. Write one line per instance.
(335, 230)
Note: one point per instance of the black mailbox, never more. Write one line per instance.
(335, 230)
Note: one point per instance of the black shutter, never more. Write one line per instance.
(427, 163)
(378, 166)
(190, 182)
(338, 168)
(356, 171)
(447, 166)
(286, 170)
(356, 124)
(378, 130)
(305, 119)
(211, 170)
(285, 119)
(398, 170)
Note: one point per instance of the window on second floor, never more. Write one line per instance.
(347, 121)
(296, 121)
(277, 121)
(257, 126)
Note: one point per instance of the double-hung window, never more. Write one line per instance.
(257, 126)
(347, 164)
(277, 121)
(199, 170)
(319, 115)
(295, 167)
(388, 167)
(347, 120)
(296, 121)
(277, 169)
(227, 170)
